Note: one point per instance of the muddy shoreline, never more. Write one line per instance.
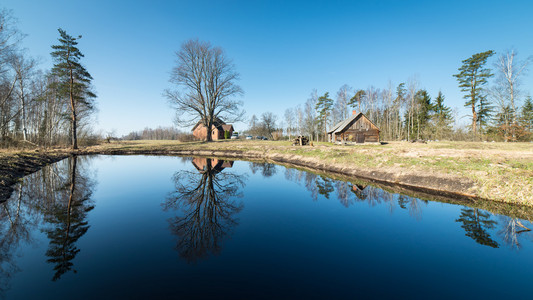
(430, 186)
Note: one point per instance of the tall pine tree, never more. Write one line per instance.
(74, 81)
(472, 77)
(323, 107)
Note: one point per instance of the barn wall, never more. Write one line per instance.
(361, 126)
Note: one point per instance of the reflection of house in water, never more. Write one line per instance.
(214, 165)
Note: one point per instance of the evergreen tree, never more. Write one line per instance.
(485, 110)
(526, 118)
(74, 80)
(357, 99)
(472, 77)
(323, 107)
(442, 117)
(422, 115)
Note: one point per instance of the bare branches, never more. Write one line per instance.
(205, 80)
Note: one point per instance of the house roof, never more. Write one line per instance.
(216, 122)
(227, 127)
(341, 126)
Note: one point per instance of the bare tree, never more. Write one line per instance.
(10, 37)
(340, 109)
(412, 89)
(310, 124)
(24, 68)
(205, 78)
(510, 71)
(299, 119)
(289, 118)
(268, 121)
(506, 91)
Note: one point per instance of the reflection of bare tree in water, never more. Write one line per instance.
(66, 218)
(207, 200)
(58, 194)
(512, 229)
(16, 222)
(476, 224)
(310, 184)
(343, 192)
(267, 169)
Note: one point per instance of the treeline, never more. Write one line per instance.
(500, 111)
(43, 107)
(265, 125)
(160, 133)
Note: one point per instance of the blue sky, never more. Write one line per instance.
(282, 49)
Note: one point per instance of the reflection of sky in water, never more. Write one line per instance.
(163, 226)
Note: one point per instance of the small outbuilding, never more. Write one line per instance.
(217, 130)
(357, 128)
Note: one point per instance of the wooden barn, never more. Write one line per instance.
(357, 128)
(217, 130)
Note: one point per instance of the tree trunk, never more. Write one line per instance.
(73, 108)
(74, 116)
(208, 136)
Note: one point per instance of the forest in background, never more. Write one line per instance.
(504, 111)
(43, 107)
(39, 107)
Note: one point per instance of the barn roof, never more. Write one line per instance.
(341, 126)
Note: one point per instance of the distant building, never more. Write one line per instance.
(357, 128)
(217, 130)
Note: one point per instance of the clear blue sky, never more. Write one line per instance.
(282, 49)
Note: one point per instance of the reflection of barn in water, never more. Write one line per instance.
(213, 165)
(357, 189)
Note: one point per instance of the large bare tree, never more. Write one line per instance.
(506, 90)
(206, 86)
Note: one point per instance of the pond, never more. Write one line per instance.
(136, 227)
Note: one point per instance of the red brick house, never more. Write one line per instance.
(217, 130)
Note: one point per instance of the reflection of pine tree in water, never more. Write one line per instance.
(476, 223)
(325, 186)
(66, 220)
(206, 199)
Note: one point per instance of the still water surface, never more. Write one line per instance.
(138, 227)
